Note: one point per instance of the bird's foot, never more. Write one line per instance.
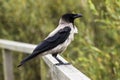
(58, 64)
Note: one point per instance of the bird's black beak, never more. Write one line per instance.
(77, 15)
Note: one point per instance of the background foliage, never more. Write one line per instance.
(95, 50)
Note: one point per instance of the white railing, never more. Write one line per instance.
(62, 72)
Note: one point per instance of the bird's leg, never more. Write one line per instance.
(60, 62)
(55, 56)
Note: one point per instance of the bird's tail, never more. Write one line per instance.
(20, 64)
(23, 61)
(27, 59)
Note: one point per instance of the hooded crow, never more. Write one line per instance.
(58, 40)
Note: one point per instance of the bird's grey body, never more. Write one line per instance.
(58, 40)
(62, 47)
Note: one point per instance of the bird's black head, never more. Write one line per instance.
(70, 17)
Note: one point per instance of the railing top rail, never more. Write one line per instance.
(17, 46)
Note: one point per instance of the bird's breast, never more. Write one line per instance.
(62, 47)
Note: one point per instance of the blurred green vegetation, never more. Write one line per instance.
(95, 50)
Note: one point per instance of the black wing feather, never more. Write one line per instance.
(53, 41)
(49, 43)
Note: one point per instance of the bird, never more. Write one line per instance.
(58, 40)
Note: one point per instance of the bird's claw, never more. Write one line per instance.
(58, 64)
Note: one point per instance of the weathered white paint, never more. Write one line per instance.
(17, 46)
(62, 72)
(7, 65)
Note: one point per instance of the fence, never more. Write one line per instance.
(62, 72)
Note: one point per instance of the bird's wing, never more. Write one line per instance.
(53, 41)
(49, 43)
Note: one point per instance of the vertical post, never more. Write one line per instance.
(7, 65)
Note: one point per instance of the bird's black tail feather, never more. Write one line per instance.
(27, 59)
(23, 61)
(20, 64)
